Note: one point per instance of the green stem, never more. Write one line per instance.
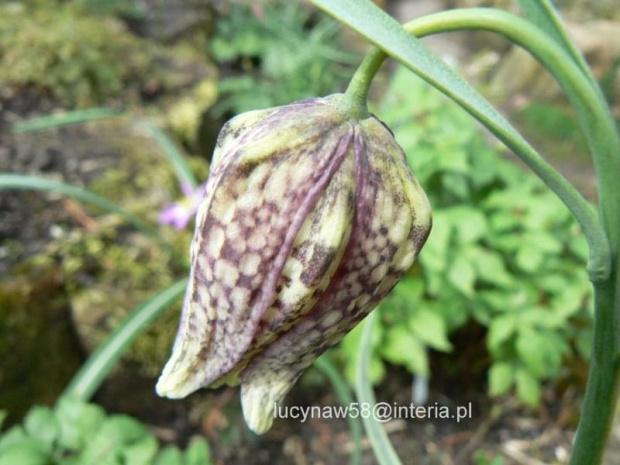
(604, 242)
(90, 376)
(595, 119)
(346, 399)
(598, 409)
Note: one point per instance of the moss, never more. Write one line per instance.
(110, 276)
(80, 60)
(110, 270)
(38, 348)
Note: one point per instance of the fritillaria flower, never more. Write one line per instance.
(310, 217)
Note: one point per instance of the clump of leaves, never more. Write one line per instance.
(77, 433)
(283, 52)
(503, 252)
(78, 59)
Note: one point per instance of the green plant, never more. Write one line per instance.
(504, 252)
(544, 36)
(285, 53)
(78, 433)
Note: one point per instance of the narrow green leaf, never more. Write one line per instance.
(544, 14)
(175, 157)
(344, 395)
(27, 182)
(381, 445)
(393, 40)
(45, 123)
(93, 372)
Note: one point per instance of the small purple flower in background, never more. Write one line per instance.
(180, 213)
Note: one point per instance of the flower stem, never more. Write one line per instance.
(603, 234)
(358, 88)
(597, 411)
(595, 119)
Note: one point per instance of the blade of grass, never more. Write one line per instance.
(381, 445)
(27, 182)
(544, 14)
(346, 399)
(175, 157)
(47, 122)
(90, 376)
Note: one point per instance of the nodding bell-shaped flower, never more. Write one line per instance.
(309, 218)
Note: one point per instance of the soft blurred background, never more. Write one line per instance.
(496, 312)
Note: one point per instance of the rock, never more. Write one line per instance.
(38, 348)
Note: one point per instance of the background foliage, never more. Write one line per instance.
(279, 52)
(77, 433)
(504, 253)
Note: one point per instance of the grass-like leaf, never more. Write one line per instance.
(381, 445)
(27, 182)
(346, 399)
(544, 14)
(175, 157)
(173, 154)
(93, 372)
(47, 122)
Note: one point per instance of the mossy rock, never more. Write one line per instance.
(108, 266)
(60, 49)
(38, 348)
(110, 269)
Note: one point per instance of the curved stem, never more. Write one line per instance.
(597, 123)
(604, 242)
(90, 376)
(346, 399)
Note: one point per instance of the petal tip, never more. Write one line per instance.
(259, 402)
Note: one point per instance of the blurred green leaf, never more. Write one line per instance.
(197, 453)
(142, 452)
(531, 348)
(462, 275)
(78, 422)
(40, 423)
(528, 387)
(115, 432)
(430, 328)
(27, 452)
(403, 347)
(500, 330)
(501, 378)
(170, 455)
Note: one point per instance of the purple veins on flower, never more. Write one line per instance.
(310, 217)
(180, 213)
